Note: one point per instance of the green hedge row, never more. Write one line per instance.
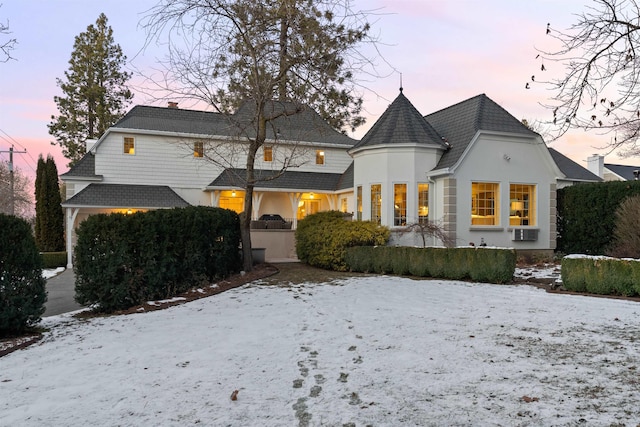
(22, 288)
(54, 259)
(479, 264)
(124, 260)
(586, 215)
(601, 275)
(323, 238)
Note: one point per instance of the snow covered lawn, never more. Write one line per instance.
(381, 351)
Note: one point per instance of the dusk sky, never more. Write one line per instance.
(446, 50)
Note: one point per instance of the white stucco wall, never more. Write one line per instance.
(505, 160)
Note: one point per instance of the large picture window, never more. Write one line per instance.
(399, 204)
(485, 203)
(376, 202)
(522, 204)
(423, 203)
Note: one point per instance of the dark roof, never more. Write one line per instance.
(129, 196)
(346, 180)
(571, 169)
(302, 123)
(289, 180)
(460, 122)
(84, 168)
(401, 123)
(623, 171)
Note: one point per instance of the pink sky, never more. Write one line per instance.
(446, 50)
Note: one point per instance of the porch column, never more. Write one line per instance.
(72, 214)
(333, 201)
(215, 198)
(257, 199)
(294, 198)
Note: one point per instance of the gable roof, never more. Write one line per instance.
(401, 123)
(85, 168)
(459, 123)
(623, 171)
(289, 180)
(124, 195)
(303, 123)
(571, 169)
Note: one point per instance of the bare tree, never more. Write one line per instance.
(6, 44)
(22, 200)
(427, 229)
(600, 89)
(264, 62)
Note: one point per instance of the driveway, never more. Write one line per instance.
(60, 294)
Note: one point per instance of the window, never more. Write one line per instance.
(399, 204)
(129, 145)
(267, 153)
(423, 203)
(359, 203)
(484, 203)
(522, 204)
(232, 200)
(198, 149)
(319, 157)
(376, 202)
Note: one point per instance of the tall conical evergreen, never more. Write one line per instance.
(95, 91)
(49, 227)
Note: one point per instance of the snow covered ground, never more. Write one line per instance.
(383, 351)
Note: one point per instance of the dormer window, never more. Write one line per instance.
(319, 157)
(198, 149)
(267, 153)
(129, 145)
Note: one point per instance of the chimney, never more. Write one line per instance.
(595, 164)
(173, 104)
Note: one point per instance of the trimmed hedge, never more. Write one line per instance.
(22, 287)
(124, 260)
(488, 265)
(586, 215)
(54, 259)
(323, 238)
(601, 275)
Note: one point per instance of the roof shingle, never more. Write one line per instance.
(123, 195)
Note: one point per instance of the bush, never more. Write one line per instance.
(626, 234)
(586, 215)
(478, 264)
(22, 288)
(323, 238)
(124, 260)
(54, 259)
(601, 275)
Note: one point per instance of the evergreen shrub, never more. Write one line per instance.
(22, 287)
(124, 260)
(54, 259)
(601, 275)
(323, 238)
(478, 264)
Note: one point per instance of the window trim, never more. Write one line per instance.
(529, 211)
(198, 154)
(398, 219)
(495, 205)
(321, 154)
(267, 151)
(422, 219)
(377, 204)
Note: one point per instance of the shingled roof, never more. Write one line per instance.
(571, 169)
(302, 124)
(401, 123)
(623, 171)
(459, 123)
(84, 168)
(123, 195)
(289, 180)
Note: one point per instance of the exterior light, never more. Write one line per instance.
(129, 211)
(233, 193)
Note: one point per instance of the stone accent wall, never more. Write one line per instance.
(553, 210)
(450, 216)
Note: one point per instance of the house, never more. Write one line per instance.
(611, 172)
(471, 167)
